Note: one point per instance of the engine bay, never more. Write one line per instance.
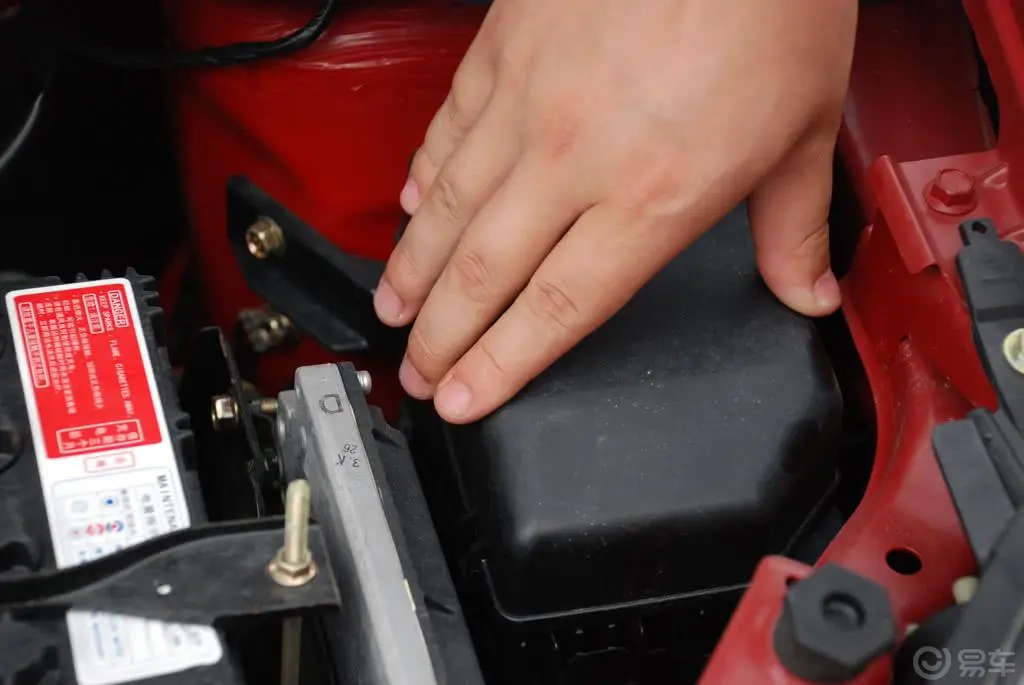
(209, 472)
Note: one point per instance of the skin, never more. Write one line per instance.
(583, 145)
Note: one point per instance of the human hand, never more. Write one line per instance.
(583, 145)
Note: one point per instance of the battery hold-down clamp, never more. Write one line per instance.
(180, 576)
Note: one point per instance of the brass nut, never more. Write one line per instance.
(291, 575)
(293, 564)
(224, 412)
(266, 330)
(264, 238)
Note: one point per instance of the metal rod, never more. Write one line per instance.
(294, 556)
(291, 650)
(296, 523)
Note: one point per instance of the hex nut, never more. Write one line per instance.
(264, 238)
(951, 192)
(291, 575)
(224, 412)
(834, 624)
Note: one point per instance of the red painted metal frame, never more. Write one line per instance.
(916, 144)
(306, 129)
(328, 131)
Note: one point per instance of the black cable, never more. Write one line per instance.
(217, 56)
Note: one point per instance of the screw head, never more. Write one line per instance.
(224, 412)
(264, 238)
(1013, 350)
(365, 381)
(951, 192)
(964, 589)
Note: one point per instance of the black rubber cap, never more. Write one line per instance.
(834, 624)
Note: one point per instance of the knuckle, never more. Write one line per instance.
(423, 353)
(463, 104)
(489, 358)
(423, 168)
(472, 275)
(448, 198)
(402, 270)
(655, 185)
(551, 303)
(813, 244)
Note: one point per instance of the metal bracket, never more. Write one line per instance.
(235, 471)
(199, 575)
(325, 292)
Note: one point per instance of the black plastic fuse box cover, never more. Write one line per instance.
(663, 457)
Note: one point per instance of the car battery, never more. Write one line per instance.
(93, 458)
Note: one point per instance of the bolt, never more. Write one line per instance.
(365, 381)
(267, 406)
(293, 565)
(951, 192)
(224, 412)
(964, 589)
(265, 330)
(264, 238)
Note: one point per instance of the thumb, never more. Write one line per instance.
(789, 221)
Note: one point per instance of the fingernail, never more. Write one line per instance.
(826, 291)
(453, 399)
(410, 197)
(413, 382)
(388, 304)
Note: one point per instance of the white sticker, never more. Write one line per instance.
(106, 463)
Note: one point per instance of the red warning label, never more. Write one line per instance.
(87, 369)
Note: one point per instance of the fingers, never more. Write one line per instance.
(600, 263)
(789, 221)
(471, 89)
(503, 246)
(468, 178)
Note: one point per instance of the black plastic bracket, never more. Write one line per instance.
(992, 274)
(202, 575)
(326, 293)
(982, 456)
(976, 642)
(982, 461)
